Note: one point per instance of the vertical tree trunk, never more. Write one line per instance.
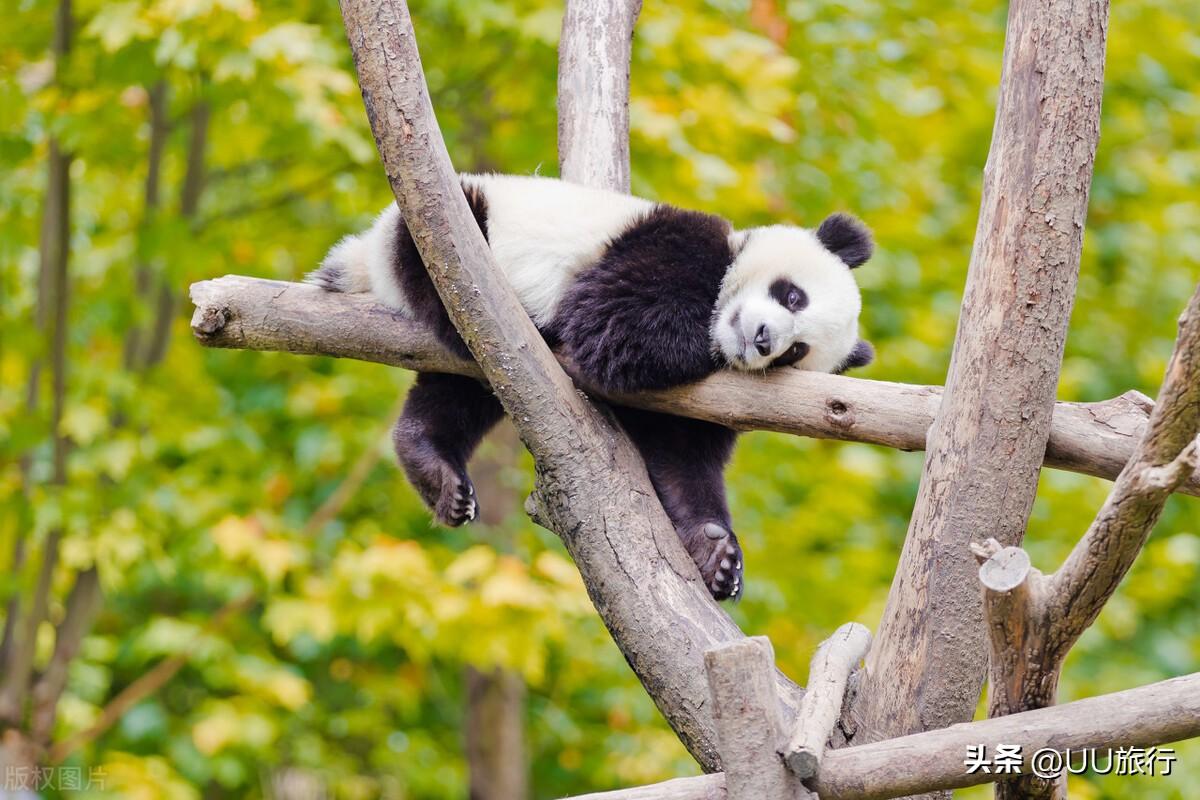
(17, 750)
(189, 204)
(143, 276)
(989, 437)
(494, 722)
(495, 735)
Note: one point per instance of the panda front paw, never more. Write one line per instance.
(718, 556)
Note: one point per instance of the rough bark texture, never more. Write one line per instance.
(741, 679)
(1158, 714)
(835, 659)
(641, 580)
(254, 314)
(1034, 620)
(1166, 456)
(593, 91)
(991, 431)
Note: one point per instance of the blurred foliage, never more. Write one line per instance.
(194, 481)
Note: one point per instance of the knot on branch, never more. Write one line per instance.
(839, 413)
(1170, 475)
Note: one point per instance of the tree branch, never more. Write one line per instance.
(1166, 456)
(639, 577)
(146, 684)
(828, 674)
(746, 714)
(82, 606)
(988, 442)
(593, 91)
(1157, 714)
(1034, 620)
(254, 314)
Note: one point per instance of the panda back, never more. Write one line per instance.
(544, 232)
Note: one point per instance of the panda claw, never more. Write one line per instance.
(715, 556)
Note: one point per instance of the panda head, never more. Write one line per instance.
(788, 298)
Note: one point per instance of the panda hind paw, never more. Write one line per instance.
(456, 504)
(718, 556)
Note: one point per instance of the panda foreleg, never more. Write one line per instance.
(686, 460)
(444, 419)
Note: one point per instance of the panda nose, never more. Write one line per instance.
(762, 340)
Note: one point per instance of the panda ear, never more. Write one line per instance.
(862, 354)
(847, 238)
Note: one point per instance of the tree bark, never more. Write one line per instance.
(189, 205)
(53, 302)
(828, 674)
(160, 128)
(254, 314)
(594, 52)
(82, 606)
(495, 735)
(1148, 716)
(1034, 620)
(741, 681)
(641, 580)
(990, 434)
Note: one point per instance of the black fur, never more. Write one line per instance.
(637, 319)
(862, 354)
(445, 416)
(686, 460)
(418, 288)
(847, 238)
(640, 318)
(781, 291)
(790, 356)
(444, 419)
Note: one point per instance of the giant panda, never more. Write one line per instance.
(635, 295)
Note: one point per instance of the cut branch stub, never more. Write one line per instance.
(1003, 568)
(831, 666)
(746, 714)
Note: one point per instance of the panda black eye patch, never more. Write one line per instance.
(788, 295)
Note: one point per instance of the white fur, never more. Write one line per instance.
(828, 324)
(544, 231)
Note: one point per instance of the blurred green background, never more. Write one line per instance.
(195, 476)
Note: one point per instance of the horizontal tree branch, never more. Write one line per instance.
(253, 314)
(1152, 715)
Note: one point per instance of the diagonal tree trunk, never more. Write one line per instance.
(616, 531)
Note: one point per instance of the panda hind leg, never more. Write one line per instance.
(686, 460)
(444, 419)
